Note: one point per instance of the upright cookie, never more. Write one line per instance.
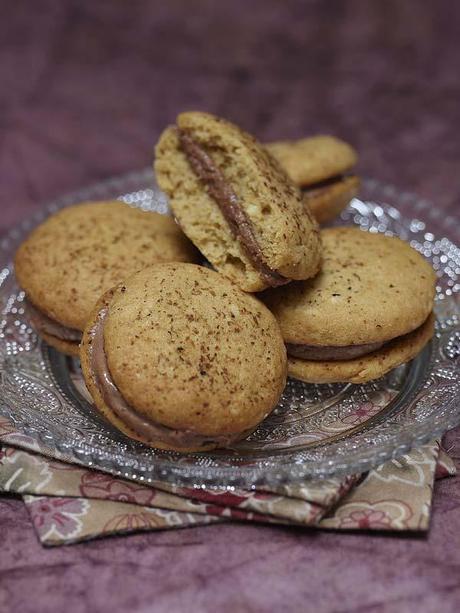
(79, 253)
(235, 203)
(366, 312)
(320, 166)
(178, 357)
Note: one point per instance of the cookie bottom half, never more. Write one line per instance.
(326, 204)
(68, 347)
(368, 367)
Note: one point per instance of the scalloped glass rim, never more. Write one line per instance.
(387, 435)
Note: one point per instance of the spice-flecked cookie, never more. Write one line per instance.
(178, 357)
(314, 159)
(76, 255)
(235, 203)
(320, 166)
(367, 311)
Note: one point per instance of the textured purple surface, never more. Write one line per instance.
(86, 88)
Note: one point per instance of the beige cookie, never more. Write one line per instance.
(77, 254)
(372, 290)
(315, 159)
(235, 203)
(180, 358)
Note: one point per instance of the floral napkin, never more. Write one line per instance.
(68, 503)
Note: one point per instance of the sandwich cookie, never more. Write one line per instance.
(235, 203)
(180, 358)
(368, 310)
(321, 167)
(79, 253)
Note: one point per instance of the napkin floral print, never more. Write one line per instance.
(394, 496)
(68, 503)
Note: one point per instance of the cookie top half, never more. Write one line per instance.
(77, 254)
(191, 351)
(236, 204)
(371, 288)
(314, 159)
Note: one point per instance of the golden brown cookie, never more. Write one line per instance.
(315, 159)
(235, 203)
(373, 291)
(69, 260)
(178, 357)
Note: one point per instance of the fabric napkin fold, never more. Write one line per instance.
(69, 503)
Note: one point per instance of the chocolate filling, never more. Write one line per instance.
(227, 201)
(331, 353)
(42, 323)
(147, 428)
(316, 189)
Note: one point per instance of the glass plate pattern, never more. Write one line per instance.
(316, 431)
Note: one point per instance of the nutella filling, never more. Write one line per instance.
(43, 323)
(318, 188)
(227, 201)
(331, 353)
(144, 426)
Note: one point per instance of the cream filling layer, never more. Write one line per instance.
(332, 353)
(42, 323)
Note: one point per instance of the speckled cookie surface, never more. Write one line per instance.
(328, 202)
(188, 349)
(68, 261)
(368, 367)
(314, 159)
(371, 288)
(287, 235)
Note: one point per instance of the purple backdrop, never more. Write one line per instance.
(85, 89)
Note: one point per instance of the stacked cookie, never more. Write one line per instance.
(367, 311)
(173, 357)
(183, 357)
(322, 167)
